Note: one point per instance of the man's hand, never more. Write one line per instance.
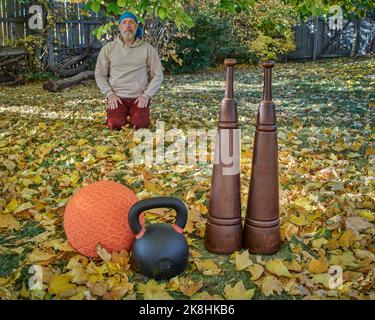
(142, 101)
(113, 101)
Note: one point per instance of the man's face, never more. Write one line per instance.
(128, 28)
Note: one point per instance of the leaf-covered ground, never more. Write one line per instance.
(52, 144)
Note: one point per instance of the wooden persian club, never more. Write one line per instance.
(262, 224)
(224, 224)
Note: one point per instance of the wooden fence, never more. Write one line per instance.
(74, 30)
(314, 39)
(12, 21)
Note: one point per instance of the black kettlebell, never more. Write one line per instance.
(160, 251)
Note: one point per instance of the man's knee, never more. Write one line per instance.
(138, 122)
(140, 118)
(115, 123)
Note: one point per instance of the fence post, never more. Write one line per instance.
(51, 64)
(356, 36)
(316, 38)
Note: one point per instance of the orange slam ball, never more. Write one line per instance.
(98, 214)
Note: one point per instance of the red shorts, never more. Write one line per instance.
(139, 117)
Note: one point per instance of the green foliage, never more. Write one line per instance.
(208, 43)
(29, 43)
(235, 6)
(308, 8)
(41, 75)
(164, 9)
(8, 263)
(267, 29)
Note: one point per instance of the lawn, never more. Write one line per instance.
(52, 144)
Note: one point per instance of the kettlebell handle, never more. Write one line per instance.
(157, 202)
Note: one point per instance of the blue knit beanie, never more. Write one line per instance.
(130, 15)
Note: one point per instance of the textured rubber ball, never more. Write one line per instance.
(98, 214)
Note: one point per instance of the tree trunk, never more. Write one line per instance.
(58, 85)
(5, 51)
(8, 81)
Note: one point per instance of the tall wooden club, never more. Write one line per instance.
(224, 225)
(262, 224)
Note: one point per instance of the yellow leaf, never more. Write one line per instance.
(23, 206)
(318, 243)
(332, 244)
(312, 186)
(118, 156)
(99, 288)
(75, 261)
(256, 271)
(208, 267)
(151, 187)
(152, 290)
(358, 224)
(204, 295)
(242, 260)
(61, 287)
(101, 150)
(347, 239)
(270, 285)
(189, 287)
(195, 216)
(364, 254)
(304, 203)
(370, 151)
(367, 214)
(38, 255)
(81, 293)
(26, 182)
(291, 287)
(4, 281)
(318, 266)
(356, 146)
(344, 260)
(103, 253)
(201, 208)
(294, 266)
(59, 244)
(9, 222)
(9, 164)
(238, 292)
(299, 220)
(74, 178)
(37, 180)
(78, 274)
(122, 258)
(119, 290)
(322, 278)
(13, 204)
(81, 142)
(287, 230)
(277, 267)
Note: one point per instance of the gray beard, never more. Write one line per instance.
(128, 35)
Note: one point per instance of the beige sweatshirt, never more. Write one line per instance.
(123, 70)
